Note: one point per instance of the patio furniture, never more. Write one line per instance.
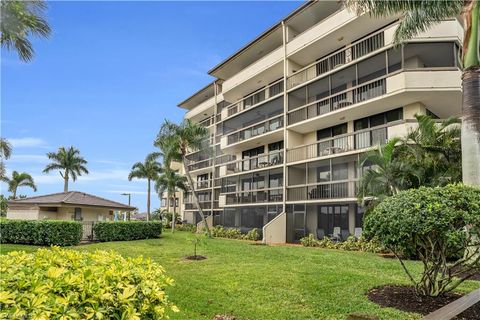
(336, 235)
(320, 234)
(313, 194)
(344, 234)
(358, 233)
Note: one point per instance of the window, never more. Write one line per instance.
(340, 171)
(275, 89)
(378, 119)
(275, 146)
(332, 131)
(276, 180)
(394, 57)
(371, 68)
(254, 98)
(330, 217)
(429, 55)
(318, 90)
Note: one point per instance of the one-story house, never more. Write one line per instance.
(72, 205)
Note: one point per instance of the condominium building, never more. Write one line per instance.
(291, 113)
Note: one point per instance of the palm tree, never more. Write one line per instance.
(434, 148)
(5, 153)
(68, 160)
(19, 180)
(184, 138)
(149, 169)
(418, 16)
(20, 19)
(386, 176)
(171, 182)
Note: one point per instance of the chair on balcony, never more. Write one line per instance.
(313, 194)
(320, 234)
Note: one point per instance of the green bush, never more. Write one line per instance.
(67, 284)
(127, 230)
(186, 227)
(351, 244)
(42, 232)
(252, 235)
(435, 224)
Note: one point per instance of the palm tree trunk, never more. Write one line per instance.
(174, 212)
(148, 200)
(14, 193)
(194, 194)
(65, 182)
(471, 126)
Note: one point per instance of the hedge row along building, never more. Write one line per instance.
(291, 112)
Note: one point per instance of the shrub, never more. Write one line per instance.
(435, 224)
(252, 235)
(42, 232)
(69, 284)
(127, 230)
(309, 241)
(186, 227)
(351, 244)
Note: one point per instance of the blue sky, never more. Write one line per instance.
(108, 76)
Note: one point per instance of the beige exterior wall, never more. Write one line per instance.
(22, 214)
(276, 230)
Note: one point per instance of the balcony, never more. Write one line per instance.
(370, 90)
(207, 122)
(254, 196)
(203, 184)
(346, 55)
(260, 132)
(358, 140)
(323, 191)
(201, 164)
(262, 161)
(203, 205)
(269, 92)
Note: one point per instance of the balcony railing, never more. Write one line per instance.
(207, 122)
(323, 191)
(204, 184)
(255, 98)
(254, 196)
(370, 90)
(256, 130)
(339, 144)
(203, 205)
(200, 164)
(339, 58)
(258, 162)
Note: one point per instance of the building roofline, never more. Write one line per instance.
(262, 35)
(196, 93)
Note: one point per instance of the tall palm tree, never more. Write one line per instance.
(19, 20)
(171, 182)
(5, 153)
(17, 180)
(184, 138)
(69, 161)
(418, 16)
(149, 169)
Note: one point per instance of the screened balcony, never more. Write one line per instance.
(323, 191)
(255, 196)
(367, 79)
(262, 161)
(358, 140)
(256, 130)
(272, 90)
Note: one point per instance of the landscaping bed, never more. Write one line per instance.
(404, 298)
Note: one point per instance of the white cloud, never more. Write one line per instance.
(27, 142)
(28, 158)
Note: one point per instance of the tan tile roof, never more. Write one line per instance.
(72, 198)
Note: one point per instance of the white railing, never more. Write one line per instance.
(323, 191)
(254, 196)
(255, 98)
(257, 129)
(358, 140)
(336, 59)
(258, 162)
(363, 92)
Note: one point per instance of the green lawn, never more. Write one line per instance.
(266, 282)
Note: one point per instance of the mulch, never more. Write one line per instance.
(405, 299)
(197, 257)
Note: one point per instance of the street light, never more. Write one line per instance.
(129, 196)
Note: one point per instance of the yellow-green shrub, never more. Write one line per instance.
(66, 284)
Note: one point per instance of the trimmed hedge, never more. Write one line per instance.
(68, 284)
(43, 232)
(127, 230)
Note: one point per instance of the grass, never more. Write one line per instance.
(266, 282)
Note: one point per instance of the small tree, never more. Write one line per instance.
(439, 226)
